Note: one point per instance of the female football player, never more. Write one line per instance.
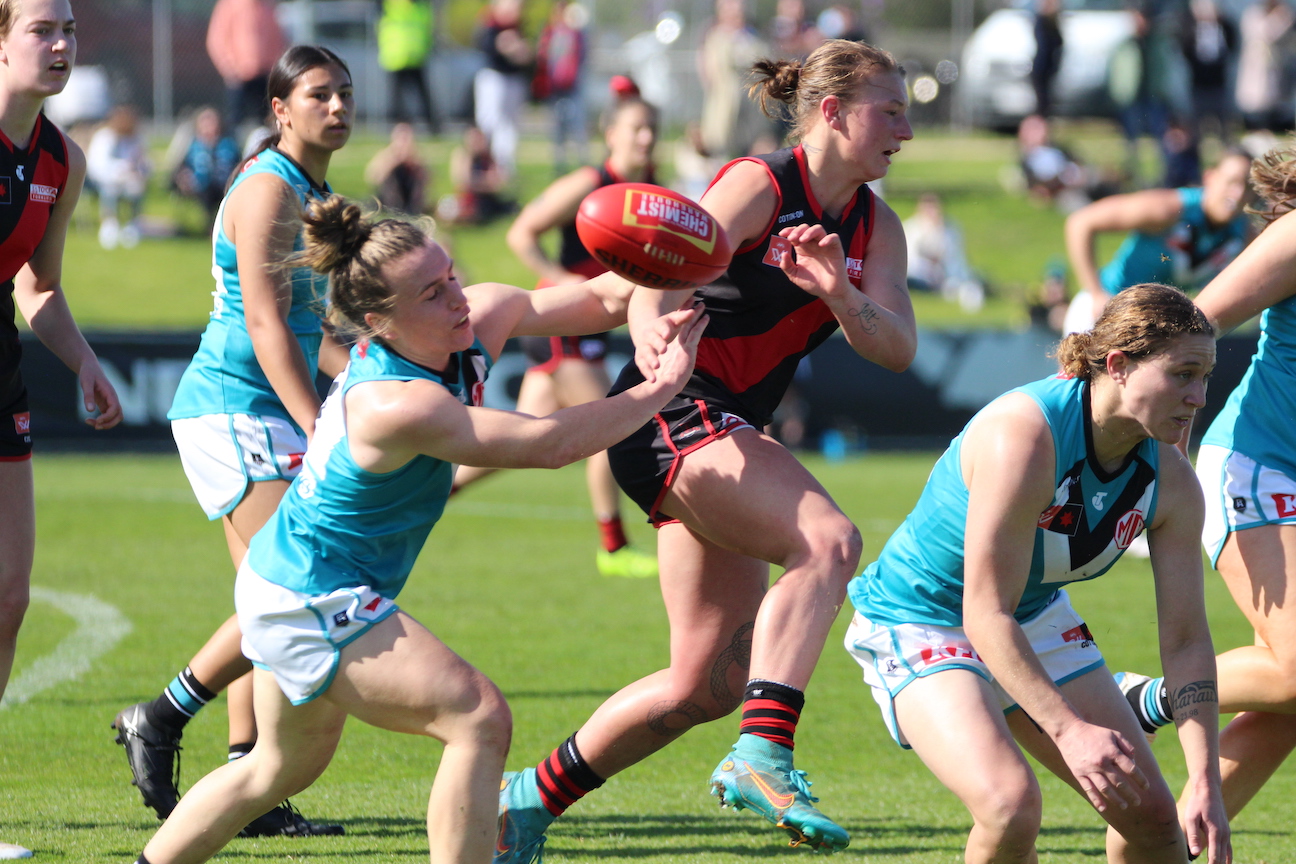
(43, 173)
(316, 593)
(815, 251)
(969, 642)
(246, 405)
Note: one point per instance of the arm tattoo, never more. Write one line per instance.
(868, 317)
(1183, 701)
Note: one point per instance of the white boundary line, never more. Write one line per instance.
(100, 626)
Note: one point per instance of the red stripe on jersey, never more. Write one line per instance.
(742, 362)
(778, 203)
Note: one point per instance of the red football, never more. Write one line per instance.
(652, 236)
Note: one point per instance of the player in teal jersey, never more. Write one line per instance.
(315, 595)
(967, 639)
(1247, 469)
(1181, 237)
(246, 405)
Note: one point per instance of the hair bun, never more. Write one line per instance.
(335, 231)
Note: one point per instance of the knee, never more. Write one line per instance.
(1156, 824)
(833, 546)
(481, 718)
(15, 597)
(1010, 814)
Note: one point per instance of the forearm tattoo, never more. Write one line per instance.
(868, 317)
(1184, 701)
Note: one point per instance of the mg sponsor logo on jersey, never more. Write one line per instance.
(1129, 527)
(44, 194)
(646, 210)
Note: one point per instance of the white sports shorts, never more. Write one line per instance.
(223, 453)
(1240, 493)
(894, 657)
(300, 637)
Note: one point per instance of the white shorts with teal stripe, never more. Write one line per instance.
(893, 657)
(223, 453)
(300, 637)
(1240, 493)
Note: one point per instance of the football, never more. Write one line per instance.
(652, 236)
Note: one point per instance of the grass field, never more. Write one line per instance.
(507, 579)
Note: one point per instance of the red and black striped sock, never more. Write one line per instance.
(771, 711)
(564, 777)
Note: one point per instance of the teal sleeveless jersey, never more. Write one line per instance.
(1094, 517)
(340, 526)
(1188, 255)
(224, 376)
(1259, 418)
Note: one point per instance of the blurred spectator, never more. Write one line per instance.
(841, 22)
(118, 168)
(728, 50)
(792, 34)
(936, 258)
(477, 181)
(1047, 307)
(1051, 173)
(500, 87)
(207, 163)
(1182, 155)
(1209, 42)
(1048, 53)
(1148, 111)
(1259, 77)
(404, 44)
(398, 174)
(244, 40)
(559, 80)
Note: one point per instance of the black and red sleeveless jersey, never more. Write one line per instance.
(761, 323)
(31, 180)
(572, 254)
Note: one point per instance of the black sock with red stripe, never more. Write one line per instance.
(771, 711)
(564, 777)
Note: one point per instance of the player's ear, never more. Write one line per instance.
(830, 108)
(1118, 366)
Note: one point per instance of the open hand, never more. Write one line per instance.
(676, 363)
(817, 264)
(651, 342)
(1102, 761)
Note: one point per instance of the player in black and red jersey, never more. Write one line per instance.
(40, 179)
(816, 251)
(569, 370)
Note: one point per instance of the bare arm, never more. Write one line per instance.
(390, 422)
(1008, 464)
(1263, 274)
(333, 355)
(878, 320)
(262, 218)
(1187, 653)
(38, 294)
(555, 207)
(1151, 211)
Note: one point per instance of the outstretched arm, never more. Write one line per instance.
(38, 293)
(554, 207)
(1263, 274)
(1152, 211)
(390, 422)
(1187, 653)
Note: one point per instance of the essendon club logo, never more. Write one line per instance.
(779, 248)
(22, 423)
(44, 194)
(648, 210)
(6, 189)
(1129, 527)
